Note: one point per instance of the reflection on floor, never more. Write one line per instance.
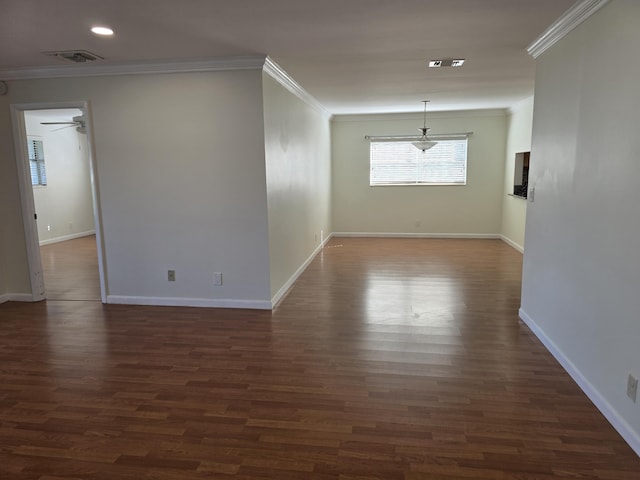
(70, 269)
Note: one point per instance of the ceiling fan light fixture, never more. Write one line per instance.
(78, 121)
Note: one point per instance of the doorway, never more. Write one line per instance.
(59, 201)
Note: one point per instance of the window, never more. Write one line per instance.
(36, 162)
(400, 163)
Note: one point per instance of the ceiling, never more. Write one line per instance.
(353, 56)
(56, 115)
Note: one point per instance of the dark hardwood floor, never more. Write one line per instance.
(389, 359)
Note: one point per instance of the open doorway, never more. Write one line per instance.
(59, 192)
(61, 184)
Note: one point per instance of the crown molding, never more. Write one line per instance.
(191, 65)
(276, 72)
(569, 20)
(214, 64)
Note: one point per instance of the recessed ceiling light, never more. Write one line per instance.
(104, 31)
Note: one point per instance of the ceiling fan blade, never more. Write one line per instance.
(62, 128)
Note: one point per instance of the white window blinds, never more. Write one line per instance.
(400, 163)
(36, 162)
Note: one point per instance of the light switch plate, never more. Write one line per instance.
(632, 387)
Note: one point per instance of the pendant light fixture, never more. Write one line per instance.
(424, 143)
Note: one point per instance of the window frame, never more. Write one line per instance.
(36, 164)
(462, 138)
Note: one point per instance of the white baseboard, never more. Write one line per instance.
(615, 419)
(511, 243)
(415, 235)
(279, 296)
(16, 297)
(64, 238)
(190, 302)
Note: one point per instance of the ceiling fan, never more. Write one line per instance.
(79, 122)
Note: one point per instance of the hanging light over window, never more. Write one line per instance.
(424, 143)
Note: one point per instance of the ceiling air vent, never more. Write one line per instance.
(448, 62)
(76, 56)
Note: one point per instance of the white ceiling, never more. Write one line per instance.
(353, 56)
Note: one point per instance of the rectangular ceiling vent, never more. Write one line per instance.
(447, 62)
(76, 56)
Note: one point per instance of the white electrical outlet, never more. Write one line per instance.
(217, 278)
(48, 228)
(632, 387)
(171, 275)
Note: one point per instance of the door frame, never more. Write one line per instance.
(26, 193)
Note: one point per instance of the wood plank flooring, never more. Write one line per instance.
(70, 269)
(389, 359)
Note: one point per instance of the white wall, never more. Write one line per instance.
(581, 266)
(3, 271)
(474, 209)
(5, 197)
(298, 172)
(514, 210)
(180, 162)
(65, 203)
